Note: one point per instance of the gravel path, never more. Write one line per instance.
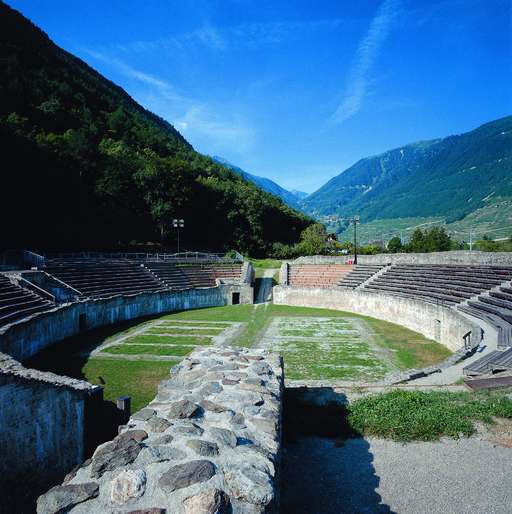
(372, 476)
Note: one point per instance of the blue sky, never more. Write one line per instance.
(297, 91)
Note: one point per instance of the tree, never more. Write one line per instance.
(313, 240)
(395, 245)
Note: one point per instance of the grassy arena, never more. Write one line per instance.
(317, 344)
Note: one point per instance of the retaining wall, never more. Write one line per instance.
(25, 338)
(43, 428)
(209, 442)
(436, 322)
(452, 257)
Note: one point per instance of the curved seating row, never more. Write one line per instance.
(360, 274)
(105, 278)
(17, 302)
(317, 275)
(185, 276)
(449, 284)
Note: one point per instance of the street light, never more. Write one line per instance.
(177, 224)
(355, 221)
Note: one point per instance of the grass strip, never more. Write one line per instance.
(426, 415)
(172, 350)
(155, 339)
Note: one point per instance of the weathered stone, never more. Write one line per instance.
(128, 484)
(61, 498)
(211, 501)
(254, 357)
(144, 414)
(250, 484)
(255, 381)
(153, 454)
(157, 424)
(114, 455)
(238, 419)
(265, 425)
(223, 436)
(192, 429)
(261, 368)
(136, 435)
(151, 510)
(163, 439)
(203, 448)
(230, 381)
(210, 388)
(213, 407)
(183, 409)
(184, 475)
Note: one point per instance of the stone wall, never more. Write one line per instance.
(43, 427)
(452, 257)
(436, 322)
(208, 443)
(25, 338)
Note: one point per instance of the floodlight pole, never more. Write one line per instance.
(355, 219)
(177, 224)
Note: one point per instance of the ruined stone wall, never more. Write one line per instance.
(26, 338)
(42, 426)
(452, 257)
(209, 442)
(436, 322)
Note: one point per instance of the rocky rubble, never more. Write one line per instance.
(209, 443)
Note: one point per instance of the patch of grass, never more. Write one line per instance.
(202, 324)
(266, 263)
(337, 360)
(411, 350)
(153, 339)
(426, 415)
(172, 350)
(138, 379)
(228, 313)
(185, 331)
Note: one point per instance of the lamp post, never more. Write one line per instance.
(177, 224)
(354, 220)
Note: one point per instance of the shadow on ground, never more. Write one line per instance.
(327, 467)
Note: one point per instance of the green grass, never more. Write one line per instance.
(201, 324)
(185, 331)
(228, 313)
(153, 339)
(426, 415)
(171, 350)
(266, 263)
(314, 361)
(138, 379)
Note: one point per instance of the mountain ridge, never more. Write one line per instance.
(455, 174)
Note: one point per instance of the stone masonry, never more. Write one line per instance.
(209, 443)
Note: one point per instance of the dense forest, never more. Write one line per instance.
(85, 166)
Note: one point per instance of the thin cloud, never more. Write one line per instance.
(194, 118)
(366, 54)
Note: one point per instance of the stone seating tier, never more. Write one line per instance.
(17, 302)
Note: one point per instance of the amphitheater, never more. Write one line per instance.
(244, 367)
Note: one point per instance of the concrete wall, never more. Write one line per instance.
(43, 430)
(452, 257)
(24, 339)
(441, 324)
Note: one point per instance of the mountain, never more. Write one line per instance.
(84, 165)
(266, 184)
(448, 178)
(299, 194)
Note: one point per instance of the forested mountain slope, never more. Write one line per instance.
(84, 165)
(449, 177)
(288, 197)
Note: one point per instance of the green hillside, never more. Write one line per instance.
(448, 178)
(86, 166)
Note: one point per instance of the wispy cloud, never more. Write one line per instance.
(197, 120)
(366, 54)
